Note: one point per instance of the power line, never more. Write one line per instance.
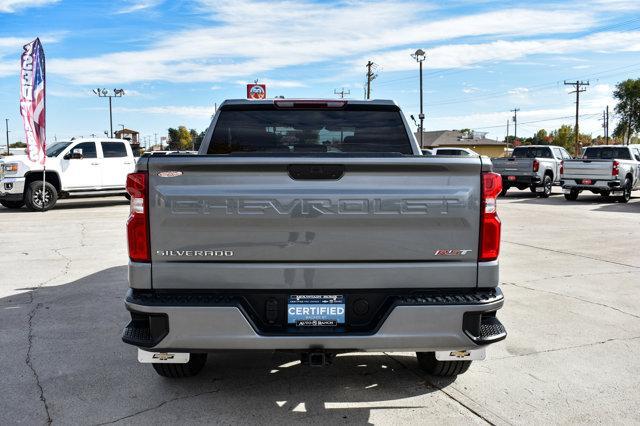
(537, 121)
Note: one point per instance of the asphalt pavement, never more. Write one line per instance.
(570, 272)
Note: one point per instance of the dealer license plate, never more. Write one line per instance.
(511, 178)
(306, 310)
(587, 181)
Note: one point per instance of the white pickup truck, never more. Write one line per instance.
(608, 170)
(77, 168)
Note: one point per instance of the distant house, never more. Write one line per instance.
(476, 141)
(129, 135)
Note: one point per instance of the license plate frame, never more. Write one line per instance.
(587, 182)
(316, 310)
(511, 178)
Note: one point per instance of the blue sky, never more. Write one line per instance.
(176, 59)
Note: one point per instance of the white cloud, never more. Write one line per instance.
(286, 33)
(12, 6)
(138, 5)
(466, 55)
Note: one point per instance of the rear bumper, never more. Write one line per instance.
(426, 322)
(520, 180)
(597, 185)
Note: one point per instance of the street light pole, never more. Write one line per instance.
(420, 56)
(104, 93)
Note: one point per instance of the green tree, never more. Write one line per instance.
(174, 139)
(564, 137)
(18, 145)
(179, 139)
(627, 94)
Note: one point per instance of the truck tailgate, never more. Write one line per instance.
(255, 222)
(588, 169)
(514, 166)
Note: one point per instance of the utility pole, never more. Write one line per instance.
(515, 123)
(420, 55)
(370, 77)
(105, 93)
(342, 92)
(6, 126)
(605, 124)
(578, 89)
(506, 139)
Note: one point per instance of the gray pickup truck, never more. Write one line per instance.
(608, 170)
(315, 227)
(536, 167)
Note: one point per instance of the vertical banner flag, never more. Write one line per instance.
(32, 99)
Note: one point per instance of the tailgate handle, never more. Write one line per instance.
(315, 171)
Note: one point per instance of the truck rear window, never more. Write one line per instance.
(532, 152)
(607, 153)
(271, 130)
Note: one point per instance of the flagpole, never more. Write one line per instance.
(44, 140)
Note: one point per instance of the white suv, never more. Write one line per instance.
(459, 152)
(81, 167)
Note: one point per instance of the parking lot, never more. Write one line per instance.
(570, 272)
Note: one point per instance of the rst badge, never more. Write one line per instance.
(452, 252)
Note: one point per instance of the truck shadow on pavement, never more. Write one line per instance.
(81, 371)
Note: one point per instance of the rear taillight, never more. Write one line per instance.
(561, 167)
(615, 170)
(138, 223)
(489, 221)
(536, 165)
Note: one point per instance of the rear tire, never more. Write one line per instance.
(626, 192)
(430, 365)
(547, 184)
(12, 204)
(504, 191)
(572, 196)
(176, 371)
(33, 196)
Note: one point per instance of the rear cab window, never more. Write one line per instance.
(532, 152)
(607, 153)
(267, 128)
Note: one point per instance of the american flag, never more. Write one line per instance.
(32, 100)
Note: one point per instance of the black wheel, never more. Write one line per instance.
(572, 196)
(12, 204)
(430, 365)
(33, 196)
(127, 196)
(522, 187)
(626, 192)
(175, 371)
(504, 191)
(547, 184)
